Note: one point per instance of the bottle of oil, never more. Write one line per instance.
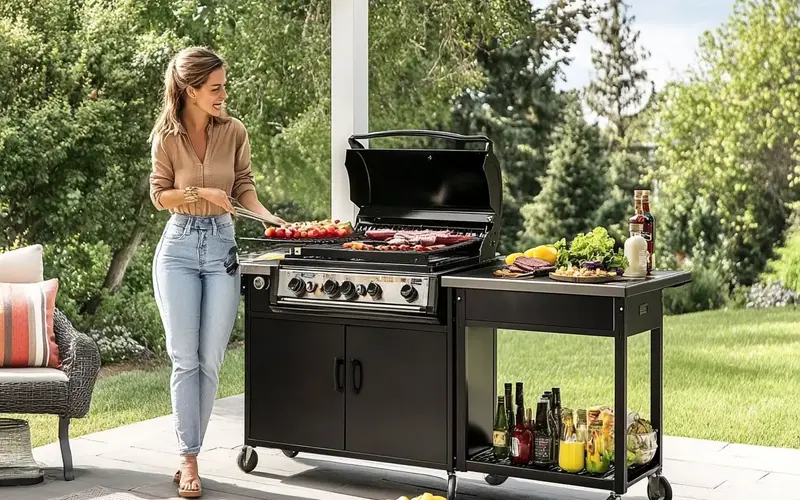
(500, 431)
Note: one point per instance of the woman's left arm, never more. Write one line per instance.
(244, 187)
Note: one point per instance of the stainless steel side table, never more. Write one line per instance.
(17, 466)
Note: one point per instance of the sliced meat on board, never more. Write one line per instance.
(528, 264)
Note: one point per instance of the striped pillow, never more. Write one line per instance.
(27, 338)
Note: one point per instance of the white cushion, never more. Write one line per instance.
(23, 265)
(17, 375)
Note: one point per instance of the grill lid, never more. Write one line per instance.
(444, 184)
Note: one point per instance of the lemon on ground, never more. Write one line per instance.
(512, 257)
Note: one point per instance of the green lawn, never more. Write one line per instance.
(729, 375)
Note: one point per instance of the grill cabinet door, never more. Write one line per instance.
(293, 398)
(400, 408)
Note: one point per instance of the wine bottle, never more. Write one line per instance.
(521, 440)
(509, 406)
(500, 431)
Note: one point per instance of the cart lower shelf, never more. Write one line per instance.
(484, 461)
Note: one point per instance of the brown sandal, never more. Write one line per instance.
(186, 493)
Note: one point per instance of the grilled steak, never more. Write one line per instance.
(423, 237)
(531, 264)
(381, 234)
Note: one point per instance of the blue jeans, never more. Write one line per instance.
(196, 282)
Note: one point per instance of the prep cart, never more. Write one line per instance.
(619, 310)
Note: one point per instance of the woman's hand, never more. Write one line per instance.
(217, 197)
(274, 221)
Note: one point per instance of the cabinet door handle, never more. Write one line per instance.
(338, 365)
(358, 374)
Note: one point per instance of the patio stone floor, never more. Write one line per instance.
(140, 459)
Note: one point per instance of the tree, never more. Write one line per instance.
(574, 186)
(519, 105)
(617, 93)
(728, 149)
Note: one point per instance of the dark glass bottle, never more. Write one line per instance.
(542, 436)
(649, 230)
(521, 440)
(500, 431)
(509, 406)
(556, 412)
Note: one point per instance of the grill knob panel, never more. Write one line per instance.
(297, 286)
(331, 288)
(374, 290)
(348, 290)
(259, 283)
(409, 293)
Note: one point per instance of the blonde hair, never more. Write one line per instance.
(190, 67)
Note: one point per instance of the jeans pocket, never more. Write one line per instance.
(174, 232)
(226, 232)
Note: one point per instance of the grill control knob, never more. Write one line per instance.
(258, 283)
(374, 290)
(409, 293)
(348, 290)
(311, 286)
(361, 290)
(331, 288)
(297, 286)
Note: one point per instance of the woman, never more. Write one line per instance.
(200, 157)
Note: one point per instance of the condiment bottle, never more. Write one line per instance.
(648, 228)
(521, 440)
(636, 226)
(543, 436)
(636, 253)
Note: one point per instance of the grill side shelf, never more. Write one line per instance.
(483, 461)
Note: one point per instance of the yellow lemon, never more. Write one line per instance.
(548, 253)
(512, 257)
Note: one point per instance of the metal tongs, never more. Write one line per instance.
(239, 210)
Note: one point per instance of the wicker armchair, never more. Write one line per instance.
(66, 392)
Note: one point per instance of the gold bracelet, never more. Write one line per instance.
(190, 194)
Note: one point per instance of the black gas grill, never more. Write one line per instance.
(348, 351)
(455, 192)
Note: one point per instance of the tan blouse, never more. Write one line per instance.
(227, 165)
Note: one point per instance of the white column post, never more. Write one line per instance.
(349, 93)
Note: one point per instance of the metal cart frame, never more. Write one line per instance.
(614, 310)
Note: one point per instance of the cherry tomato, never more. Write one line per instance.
(280, 233)
(270, 232)
(341, 233)
(313, 233)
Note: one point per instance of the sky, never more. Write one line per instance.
(670, 30)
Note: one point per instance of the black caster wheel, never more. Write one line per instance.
(614, 496)
(658, 488)
(289, 453)
(495, 479)
(247, 459)
(451, 487)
